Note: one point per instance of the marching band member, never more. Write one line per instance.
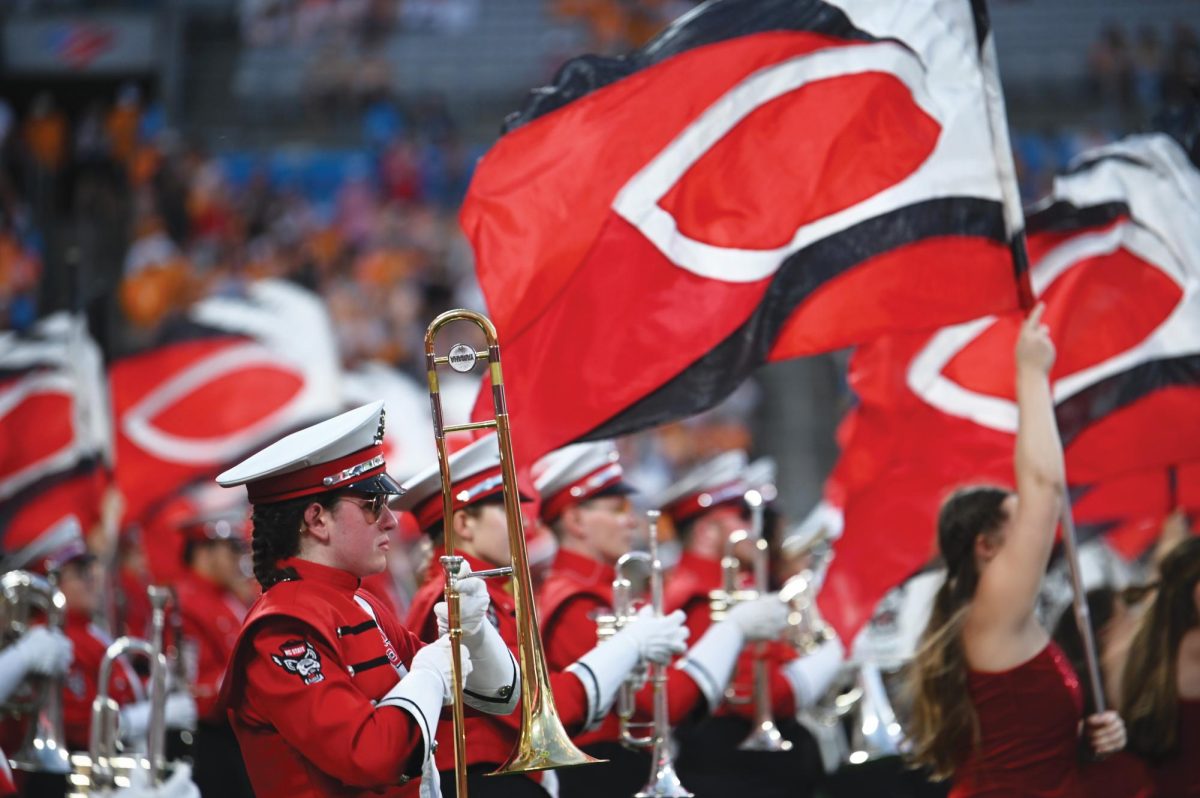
(61, 549)
(583, 690)
(1161, 686)
(585, 502)
(327, 693)
(213, 549)
(997, 705)
(707, 505)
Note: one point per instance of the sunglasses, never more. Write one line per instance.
(372, 508)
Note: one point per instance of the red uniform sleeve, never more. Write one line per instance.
(572, 632)
(210, 668)
(314, 705)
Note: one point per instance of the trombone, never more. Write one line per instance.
(663, 782)
(543, 743)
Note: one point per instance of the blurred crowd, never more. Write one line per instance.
(1132, 75)
(373, 230)
(267, 23)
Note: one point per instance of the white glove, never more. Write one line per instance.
(762, 619)
(811, 675)
(180, 785)
(47, 652)
(657, 639)
(603, 669)
(179, 713)
(473, 604)
(435, 658)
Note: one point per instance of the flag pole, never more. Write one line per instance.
(1014, 216)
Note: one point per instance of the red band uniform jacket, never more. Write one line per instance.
(313, 657)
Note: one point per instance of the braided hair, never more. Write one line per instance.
(944, 720)
(276, 535)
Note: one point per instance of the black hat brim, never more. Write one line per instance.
(380, 483)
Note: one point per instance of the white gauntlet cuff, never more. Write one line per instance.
(710, 662)
(811, 676)
(420, 693)
(602, 670)
(494, 684)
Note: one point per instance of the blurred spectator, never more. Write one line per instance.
(1110, 69)
(123, 123)
(1148, 70)
(1181, 81)
(45, 134)
(20, 269)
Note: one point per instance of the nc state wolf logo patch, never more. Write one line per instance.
(300, 658)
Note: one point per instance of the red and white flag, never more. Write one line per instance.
(55, 441)
(1132, 508)
(1117, 263)
(764, 180)
(257, 368)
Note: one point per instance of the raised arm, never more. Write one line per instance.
(1009, 586)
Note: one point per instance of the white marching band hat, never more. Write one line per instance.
(341, 453)
(577, 473)
(715, 482)
(51, 549)
(475, 475)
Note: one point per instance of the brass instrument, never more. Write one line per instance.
(105, 766)
(623, 612)
(544, 743)
(663, 782)
(45, 748)
(731, 593)
(766, 735)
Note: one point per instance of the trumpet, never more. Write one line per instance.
(105, 766)
(543, 743)
(766, 735)
(44, 749)
(663, 782)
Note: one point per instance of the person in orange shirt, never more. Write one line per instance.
(46, 133)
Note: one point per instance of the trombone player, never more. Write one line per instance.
(327, 693)
(583, 690)
(585, 501)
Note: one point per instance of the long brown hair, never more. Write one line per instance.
(1149, 687)
(944, 725)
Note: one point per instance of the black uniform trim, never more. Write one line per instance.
(357, 629)
(416, 711)
(361, 667)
